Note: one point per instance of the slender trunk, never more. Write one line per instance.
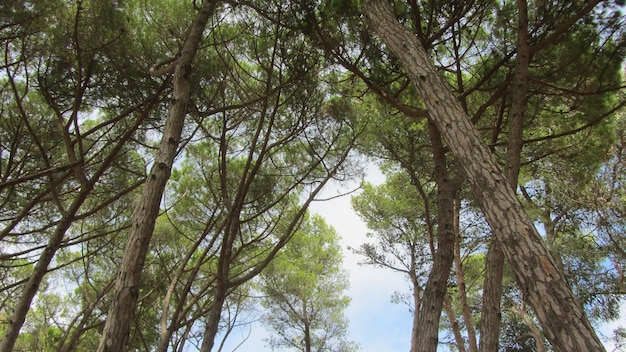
(215, 314)
(491, 313)
(534, 330)
(167, 330)
(416, 308)
(436, 286)
(460, 279)
(563, 320)
(69, 342)
(307, 329)
(454, 323)
(118, 324)
(34, 281)
(222, 283)
(492, 289)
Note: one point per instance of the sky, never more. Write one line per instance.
(376, 324)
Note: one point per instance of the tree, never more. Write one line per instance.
(117, 327)
(303, 292)
(535, 268)
(58, 167)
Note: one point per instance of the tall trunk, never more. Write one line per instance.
(491, 312)
(454, 324)
(41, 268)
(222, 284)
(416, 308)
(118, 324)
(492, 289)
(34, 281)
(307, 329)
(435, 290)
(215, 314)
(460, 279)
(562, 318)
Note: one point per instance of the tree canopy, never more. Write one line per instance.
(158, 160)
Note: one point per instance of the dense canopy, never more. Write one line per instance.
(158, 160)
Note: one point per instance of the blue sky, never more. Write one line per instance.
(376, 323)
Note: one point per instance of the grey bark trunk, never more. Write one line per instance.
(118, 324)
(562, 318)
(214, 317)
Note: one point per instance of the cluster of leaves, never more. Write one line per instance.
(81, 113)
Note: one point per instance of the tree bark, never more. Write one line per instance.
(562, 318)
(118, 324)
(427, 337)
(492, 289)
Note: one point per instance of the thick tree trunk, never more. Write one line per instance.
(562, 318)
(120, 315)
(492, 289)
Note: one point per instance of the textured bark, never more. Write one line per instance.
(562, 318)
(427, 337)
(492, 289)
(222, 284)
(491, 313)
(118, 324)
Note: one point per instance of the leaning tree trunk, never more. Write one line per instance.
(562, 318)
(120, 315)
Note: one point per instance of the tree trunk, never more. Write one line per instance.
(454, 324)
(436, 286)
(118, 324)
(215, 314)
(460, 279)
(54, 243)
(222, 283)
(491, 312)
(492, 289)
(562, 318)
(34, 281)
(415, 329)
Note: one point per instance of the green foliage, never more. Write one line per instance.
(304, 292)
(272, 118)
